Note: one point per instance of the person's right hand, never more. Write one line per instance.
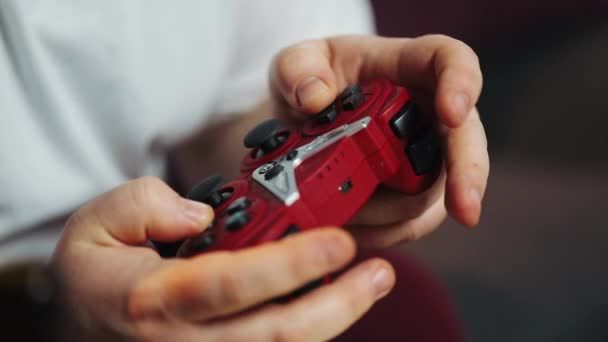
(113, 286)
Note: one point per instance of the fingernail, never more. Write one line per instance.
(381, 282)
(474, 195)
(196, 212)
(461, 105)
(309, 89)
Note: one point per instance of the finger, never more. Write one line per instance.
(388, 206)
(439, 64)
(302, 76)
(140, 210)
(457, 73)
(219, 284)
(468, 166)
(389, 234)
(320, 315)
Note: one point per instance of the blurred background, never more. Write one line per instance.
(536, 268)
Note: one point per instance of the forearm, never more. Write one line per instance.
(215, 149)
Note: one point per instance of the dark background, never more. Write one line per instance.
(535, 269)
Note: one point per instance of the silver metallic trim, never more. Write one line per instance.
(284, 184)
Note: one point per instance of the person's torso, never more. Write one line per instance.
(92, 91)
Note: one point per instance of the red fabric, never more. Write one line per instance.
(418, 308)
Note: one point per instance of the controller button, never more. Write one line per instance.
(292, 229)
(404, 121)
(273, 172)
(348, 91)
(239, 204)
(424, 152)
(291, 154)
(265, 136)
(266, 167)
(351, 97)
(204, 241)
(237, 220)
(346, 186)
(327, 115)
(208, 191)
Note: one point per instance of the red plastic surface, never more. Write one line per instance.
(366, 159)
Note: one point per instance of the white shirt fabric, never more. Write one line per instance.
(93, 92)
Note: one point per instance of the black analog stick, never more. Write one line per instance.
(265, 136)
(208, 191)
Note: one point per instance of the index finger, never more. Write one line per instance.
(433, 64)
(436, 64)
(221, 283)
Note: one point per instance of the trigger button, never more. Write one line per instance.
(424, 152)
(405, 120)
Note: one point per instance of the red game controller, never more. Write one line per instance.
(322, 173)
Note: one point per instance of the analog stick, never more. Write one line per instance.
(265, 136)
(208, 191)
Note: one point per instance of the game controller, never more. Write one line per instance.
(322, 172)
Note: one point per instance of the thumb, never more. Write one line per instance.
(140, 210)
(302, 77)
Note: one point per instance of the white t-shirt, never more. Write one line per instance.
(93, 92)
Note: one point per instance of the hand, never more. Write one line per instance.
(443, 75)
(113, 285)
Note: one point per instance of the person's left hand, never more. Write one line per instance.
(444, 76)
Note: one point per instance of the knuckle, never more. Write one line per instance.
(285, 57)
(232, 290)
(296, 55)
(444, 41)
(446, 45)
(409, 233)
(330, 249)
(75, 219)
(149, 189)
(310, 256)
(437, 38)
(288, 333)
(301, 265)
(211, 290)
(322, 258)
(135, 306)
(150, 184)
(141, 324)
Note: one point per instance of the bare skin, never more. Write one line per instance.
(116, 288)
